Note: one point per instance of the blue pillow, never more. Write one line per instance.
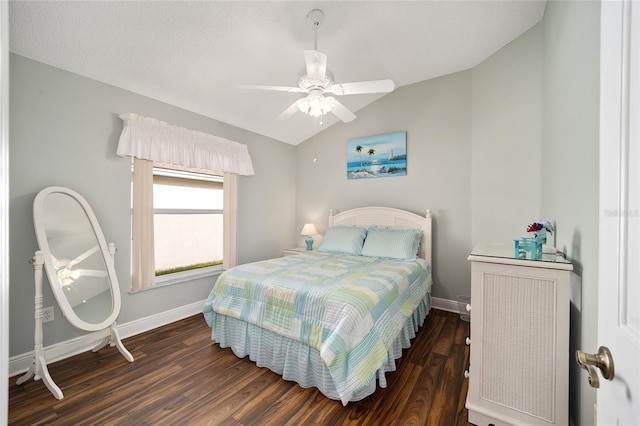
(343, 239)
(392, 243)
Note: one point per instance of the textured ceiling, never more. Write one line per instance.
(193, 54)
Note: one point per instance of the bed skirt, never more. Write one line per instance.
(300, 363)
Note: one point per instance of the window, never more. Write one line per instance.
(147, 140)
(183, 224)
(187, 224)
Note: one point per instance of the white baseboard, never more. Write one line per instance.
(445, 304)
(141, 325)
(20, 363)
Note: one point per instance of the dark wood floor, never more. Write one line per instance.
(180, 377)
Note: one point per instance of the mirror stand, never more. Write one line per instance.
(114, 337)
(38, 369)
(81, 270)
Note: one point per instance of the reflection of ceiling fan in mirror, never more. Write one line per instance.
(66, 272)
(317, 81)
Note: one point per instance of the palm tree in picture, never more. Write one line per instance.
(371, 152)
(359, 151)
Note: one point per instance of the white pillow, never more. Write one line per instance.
(392, 243)
(343, 239)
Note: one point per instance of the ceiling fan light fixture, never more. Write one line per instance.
(315, 105)
(327, 104)
(65, 275)
(303, 104)
(315, 101)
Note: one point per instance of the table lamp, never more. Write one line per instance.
(309, 229)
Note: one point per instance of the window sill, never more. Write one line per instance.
(186, 276)
(194, 274)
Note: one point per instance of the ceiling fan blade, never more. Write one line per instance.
(289, 111)
(316, 63)
(83, 256)
(340, 110)
(278, 88)
(90, 272)
(362, 87)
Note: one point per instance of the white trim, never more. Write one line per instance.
(20, 363)
(142, 325)
(445, 304)
(4, 209)
(186, 276)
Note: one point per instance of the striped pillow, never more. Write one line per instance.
(392, 243)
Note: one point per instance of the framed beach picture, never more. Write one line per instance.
(377, 156)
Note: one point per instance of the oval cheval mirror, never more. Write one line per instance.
(80, 268)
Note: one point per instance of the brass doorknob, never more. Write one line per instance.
(602, 360)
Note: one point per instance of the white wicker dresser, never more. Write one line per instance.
(519, 361)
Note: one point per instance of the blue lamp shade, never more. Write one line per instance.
(309, 229)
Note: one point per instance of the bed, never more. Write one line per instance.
(335, 318)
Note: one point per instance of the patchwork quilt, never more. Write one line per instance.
(349, 308)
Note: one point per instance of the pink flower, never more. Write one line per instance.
(534, 227)
(538, 226)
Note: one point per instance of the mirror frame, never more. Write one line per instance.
(56, 286)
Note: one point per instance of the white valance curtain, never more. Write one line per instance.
(151, 139)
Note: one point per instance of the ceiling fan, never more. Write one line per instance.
(68, 274)
(317, 81)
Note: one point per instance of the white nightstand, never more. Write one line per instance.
(292, 251)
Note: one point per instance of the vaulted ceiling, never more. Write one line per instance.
(194, 54)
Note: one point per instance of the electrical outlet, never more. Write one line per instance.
(47, 314)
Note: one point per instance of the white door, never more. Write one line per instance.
(619, 268)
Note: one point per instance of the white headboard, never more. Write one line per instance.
(387, 216)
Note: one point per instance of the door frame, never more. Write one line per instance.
(4, 210)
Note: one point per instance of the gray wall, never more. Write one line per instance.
(437, 117)
(505, 187)
(474, 157)
(570, 180)
(64, 131)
